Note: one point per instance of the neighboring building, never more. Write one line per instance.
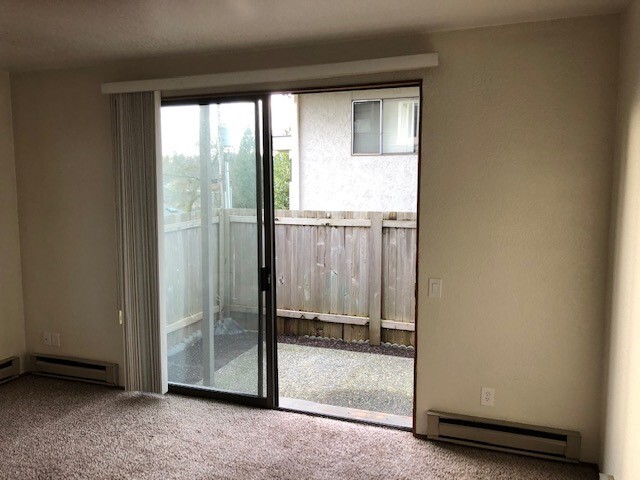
(357, 150)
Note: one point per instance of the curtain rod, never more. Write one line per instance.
(286, 74)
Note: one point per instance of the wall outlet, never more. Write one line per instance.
(488, 396)
(46, 338)
(55, 339)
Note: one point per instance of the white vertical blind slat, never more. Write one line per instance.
(135, 149)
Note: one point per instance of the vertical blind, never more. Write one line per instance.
(134, 143)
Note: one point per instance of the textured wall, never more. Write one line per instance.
(514, 209)
(621, 419)
(333, 179)
(11, 312)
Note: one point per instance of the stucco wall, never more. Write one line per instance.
(12, 341)
(621, 413)
(333, 179)
(518, 126)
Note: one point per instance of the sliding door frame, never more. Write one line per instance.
(269, 250)
(266, 256)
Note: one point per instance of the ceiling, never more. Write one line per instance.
(40, 34)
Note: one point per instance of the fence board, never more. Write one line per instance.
(282, 272)
(400, 273)
(336, 267)
(363, 293)
(375, 278)
(312, 302)
(326, 269)
(293, 248)
(392, 258)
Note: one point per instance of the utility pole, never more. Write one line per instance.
(208, 297)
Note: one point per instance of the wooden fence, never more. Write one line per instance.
(347, 275)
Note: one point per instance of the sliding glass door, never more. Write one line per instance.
(217, 264)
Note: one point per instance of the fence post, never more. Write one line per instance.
(375, 277)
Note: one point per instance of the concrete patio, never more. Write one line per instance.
(365, 381)
(312, 377)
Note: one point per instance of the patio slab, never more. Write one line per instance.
(358, 380)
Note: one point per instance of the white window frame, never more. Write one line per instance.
(408, 100)
(408, 123)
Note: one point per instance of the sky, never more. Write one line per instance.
(180, 124)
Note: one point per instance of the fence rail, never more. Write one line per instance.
(349, 274)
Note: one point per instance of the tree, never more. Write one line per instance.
(181, 182)
(242, 172)
(243, 175)
(182, 178)
(281, 179)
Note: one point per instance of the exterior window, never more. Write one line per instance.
(385, 126)
(366, 127)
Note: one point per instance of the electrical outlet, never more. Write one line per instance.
(488, 396)
(55, 339)
(46, 338)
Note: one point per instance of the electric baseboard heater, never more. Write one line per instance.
(69, 368)
(9, 368)
(530, 440)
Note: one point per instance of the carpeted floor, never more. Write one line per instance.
(52, 429)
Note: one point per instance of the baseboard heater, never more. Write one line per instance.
(9, 368)
(74, 369)
(504, 436)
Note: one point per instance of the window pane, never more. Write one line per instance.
(212, 224)
(400, 125)
(366, 127)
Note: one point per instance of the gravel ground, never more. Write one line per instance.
(395, 350)
(186, 366)
(329, 372)
(344, 378)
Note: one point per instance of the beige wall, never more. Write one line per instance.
(11, 312)
(515, 186)
(66, 205)
(621, 440)
(514, 217)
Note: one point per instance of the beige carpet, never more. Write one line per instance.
(53, 429)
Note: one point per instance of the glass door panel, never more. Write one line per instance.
(213, 224)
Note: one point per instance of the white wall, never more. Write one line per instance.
(12, 340)
(621, 413)
(518, 130)
(333, 179)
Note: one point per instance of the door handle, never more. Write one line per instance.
(265, 279)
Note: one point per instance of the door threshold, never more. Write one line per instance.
(391, 420)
